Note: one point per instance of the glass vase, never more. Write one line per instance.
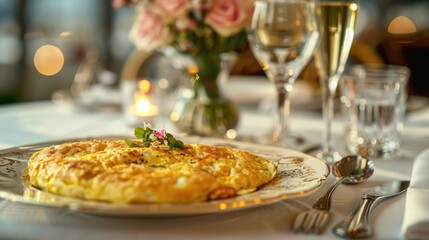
(201, 108)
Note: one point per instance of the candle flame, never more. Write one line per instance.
(143, 107)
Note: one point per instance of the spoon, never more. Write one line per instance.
(350, 170)
(353, 169)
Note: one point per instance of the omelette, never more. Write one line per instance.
(112, 171)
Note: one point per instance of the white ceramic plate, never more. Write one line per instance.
(298, 175)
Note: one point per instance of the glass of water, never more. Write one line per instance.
(374, 99)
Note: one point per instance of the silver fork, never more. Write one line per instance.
(314, 220)
(354, 169)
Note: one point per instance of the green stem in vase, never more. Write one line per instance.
(208, 70)
(208, 112)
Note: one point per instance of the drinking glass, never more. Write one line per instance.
(283, 36)
(374, 99)
(338, 20)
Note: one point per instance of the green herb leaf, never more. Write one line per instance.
(179, 144)
(147, 143)
(139, 132)
(130, 143)
(147, 134)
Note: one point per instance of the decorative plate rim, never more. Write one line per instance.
(263, 196)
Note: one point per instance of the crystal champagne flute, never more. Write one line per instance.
(283, 36)
(338, 19)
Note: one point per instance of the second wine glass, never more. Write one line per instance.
(283, 36)
(338, 20)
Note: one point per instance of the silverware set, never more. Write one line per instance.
(349, 170)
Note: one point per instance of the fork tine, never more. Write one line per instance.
(310, 223)
(299, 221)
(321, 222)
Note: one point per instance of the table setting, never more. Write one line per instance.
(389, 220)
(354, 166)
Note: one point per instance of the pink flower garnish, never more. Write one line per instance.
(160, 134)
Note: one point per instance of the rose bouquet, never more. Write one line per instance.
(191, 26)
(204, 31)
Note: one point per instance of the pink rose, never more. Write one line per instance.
(172, 9)
(227, 16)
(148, 31)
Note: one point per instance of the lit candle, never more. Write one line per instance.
(143, 107)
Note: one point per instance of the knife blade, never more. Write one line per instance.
(357, 224)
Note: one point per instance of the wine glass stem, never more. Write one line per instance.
(282, 114)
(328, 116)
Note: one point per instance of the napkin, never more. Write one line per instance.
(416, 216)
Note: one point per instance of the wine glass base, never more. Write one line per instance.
(330, 157)
(288, 140)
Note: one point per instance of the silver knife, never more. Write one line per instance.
(357, 224)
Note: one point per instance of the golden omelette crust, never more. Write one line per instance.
(110, 170)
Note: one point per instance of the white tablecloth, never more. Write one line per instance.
(43, 121)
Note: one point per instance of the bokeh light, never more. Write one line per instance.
(48, 60)
(401, 25)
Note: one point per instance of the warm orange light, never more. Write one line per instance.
(193, 70)
(66, 34)
(163, 83)
(231, 134)
(222, 206)
(145, 86)
(354, 7)
(174, 116)
(143, 107)
(401, 25)
(48, 60)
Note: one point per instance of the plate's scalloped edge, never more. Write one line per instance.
(261, 197)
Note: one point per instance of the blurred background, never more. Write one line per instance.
(87, 41)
